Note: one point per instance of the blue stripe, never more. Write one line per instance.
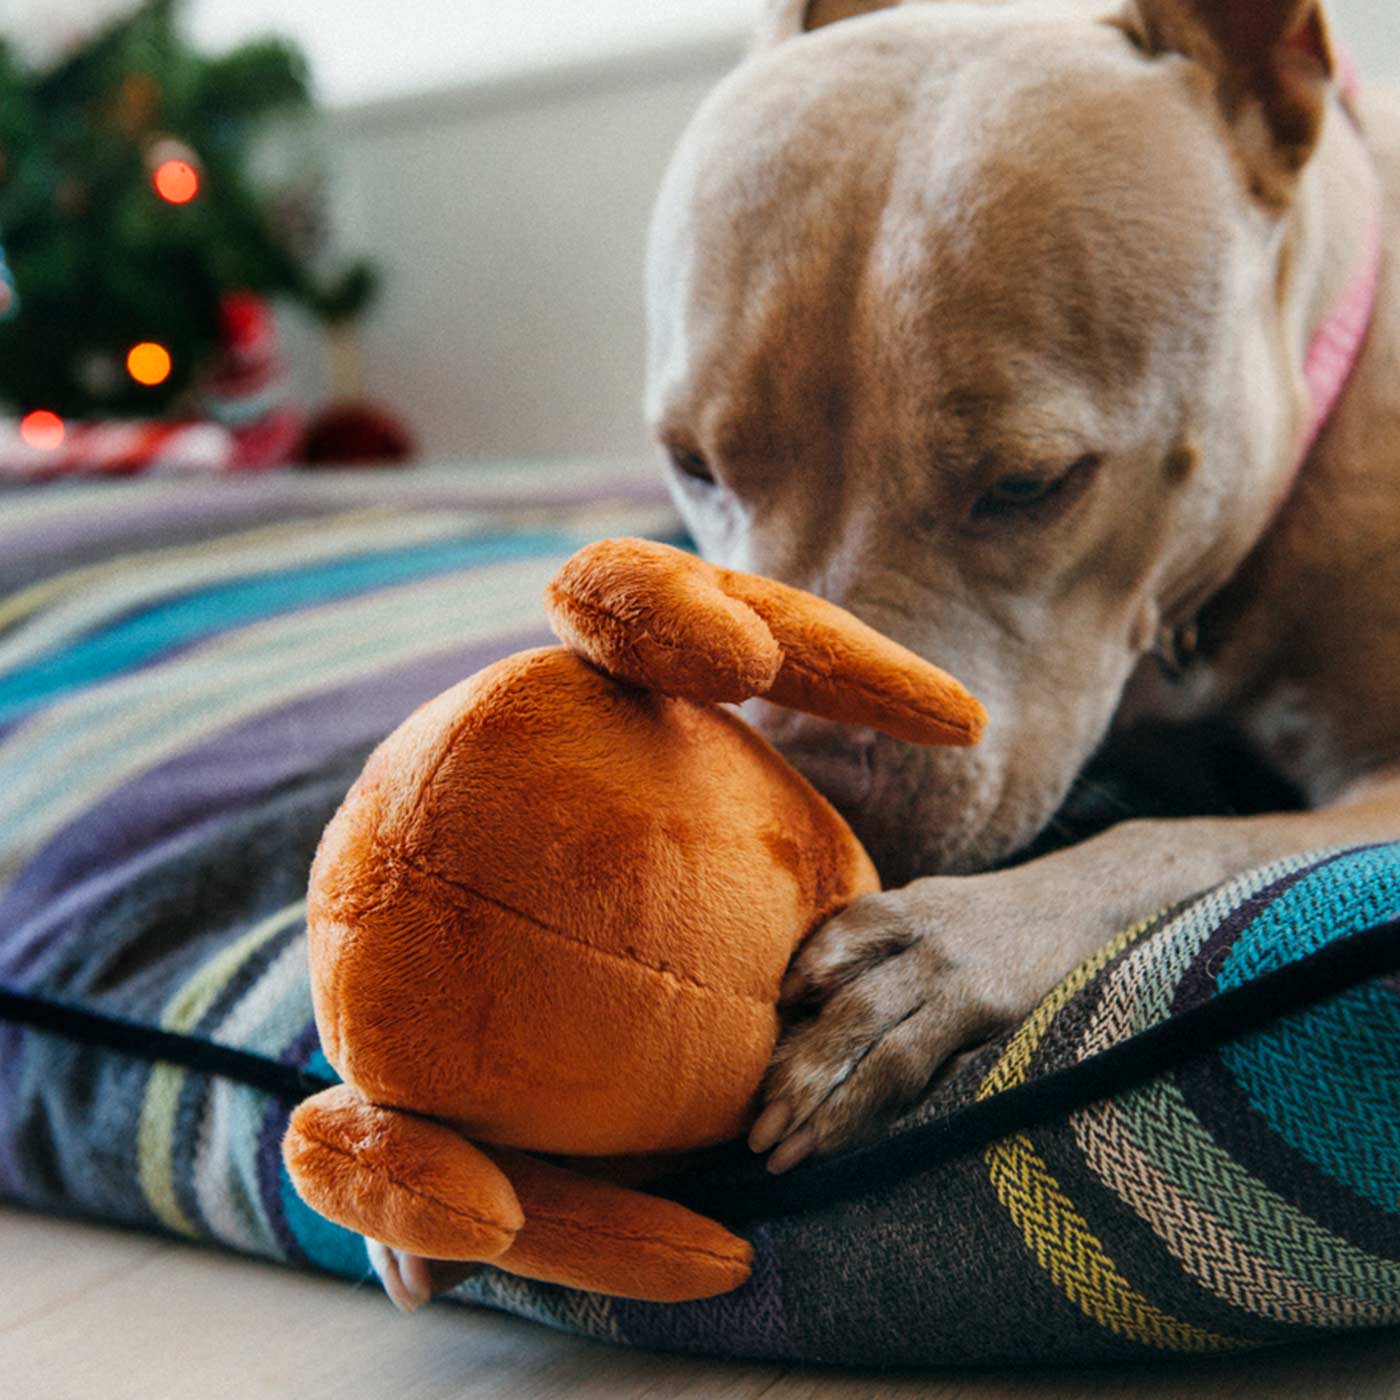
(137, 639)
(1328, 1083)
(1328, 1080)
(327, 1246)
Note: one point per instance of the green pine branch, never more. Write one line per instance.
(100, 261)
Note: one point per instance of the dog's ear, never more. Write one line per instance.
(1272, 64)
(784, 19)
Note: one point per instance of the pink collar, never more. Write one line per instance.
(1336, 347)
(1331, 359)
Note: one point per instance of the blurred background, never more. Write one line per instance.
(493, 166)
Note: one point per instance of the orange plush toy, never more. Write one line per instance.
(553, 914)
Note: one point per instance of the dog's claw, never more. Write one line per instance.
(772, 1123)
(791, 1151)
(896, 998)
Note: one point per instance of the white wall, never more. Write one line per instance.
(1371, 29)
(510, 224)
(367, 49)
(509, 212)
(499, 161)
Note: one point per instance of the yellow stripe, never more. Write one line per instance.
(1015, 1061)
(1067, 1249)
(1056, 1234)
(155, 1137)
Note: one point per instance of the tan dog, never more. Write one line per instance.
(988, 322)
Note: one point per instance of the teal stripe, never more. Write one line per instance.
(133, 641)
(319, 1066)
(327, 1246)
(1351, 892)
(1328, 1081)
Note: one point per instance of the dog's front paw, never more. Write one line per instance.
(411, 1281)
(407, 1279)
(903, 981)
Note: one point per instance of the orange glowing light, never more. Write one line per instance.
(176, 181)
(148, 363)
(42, 430)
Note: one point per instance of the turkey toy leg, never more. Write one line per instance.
(406, 1181)
(590, 1234)
(420, 1188)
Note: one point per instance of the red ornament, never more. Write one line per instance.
(245, 323)
(355, 433)
(42, 430)
(175, 170)
(176, 181)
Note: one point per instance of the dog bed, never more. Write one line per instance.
(1192, 1145)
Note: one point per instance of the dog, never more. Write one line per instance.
(992, 323)
(1000, 325)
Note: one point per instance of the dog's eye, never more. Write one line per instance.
(1013, 495)
(691, 464)
(1017, 491)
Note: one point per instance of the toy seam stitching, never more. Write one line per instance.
(414, 1191)
(684, 980)
(630, 1237)
(447, 746)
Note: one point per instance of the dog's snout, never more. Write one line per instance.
(844, 777)
(837, 759)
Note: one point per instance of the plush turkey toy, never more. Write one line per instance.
(553, 913)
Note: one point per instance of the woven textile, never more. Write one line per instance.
(191, 676)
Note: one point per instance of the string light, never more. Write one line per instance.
(176, 181)
(148, 363)
(42, 430)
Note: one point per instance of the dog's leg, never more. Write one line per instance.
(906, 979)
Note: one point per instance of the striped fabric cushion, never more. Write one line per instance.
(191, 675)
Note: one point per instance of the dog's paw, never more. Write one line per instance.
(407, 1279)
(411, 1281)
(902, 981)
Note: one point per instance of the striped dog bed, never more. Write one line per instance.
(1192, 1145)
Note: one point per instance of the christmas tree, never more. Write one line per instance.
(129, 213)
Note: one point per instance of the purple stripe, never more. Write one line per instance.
(101, 850)
(269, 1173)
(13, 1050)
(1198, 981)
(218, 508)
(35, 951)
(90, 535)
(269, 1150)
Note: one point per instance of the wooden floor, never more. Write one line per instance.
(93, 1314)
